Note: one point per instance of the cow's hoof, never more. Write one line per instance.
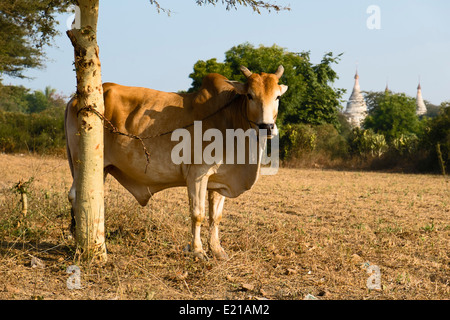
(220, 254)
(200, 254)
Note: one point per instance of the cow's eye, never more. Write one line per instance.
(249, 96)
(278, 98)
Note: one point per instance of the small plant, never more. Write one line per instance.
(360, 226)
(403, 278)
(428, 227)
(22, 188)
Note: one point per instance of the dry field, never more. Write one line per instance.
(296, 233)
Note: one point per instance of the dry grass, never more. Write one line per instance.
(298, 232)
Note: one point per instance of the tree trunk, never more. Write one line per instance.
(89, 208)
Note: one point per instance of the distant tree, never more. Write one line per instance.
(432, 109)
(310, 99)
(392, 114)
(444, 105)
(37, 102)
(202, 68)
(437, 139)
(25, 28)
(372, 98)
(20, 99)
(49, 92)
(14, 98)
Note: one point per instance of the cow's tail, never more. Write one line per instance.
(69, 156)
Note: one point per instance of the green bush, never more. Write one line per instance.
(366, 143)
(436, 140)
(405, 144)
(331, 143)
(392, 115)
(313, 145)
(38, 132)
(296, 139)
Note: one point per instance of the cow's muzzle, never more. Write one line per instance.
(269, 127)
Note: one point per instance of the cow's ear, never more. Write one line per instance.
(283, 88)
(240, 88)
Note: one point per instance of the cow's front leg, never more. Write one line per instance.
(197, 197)
(216, 202)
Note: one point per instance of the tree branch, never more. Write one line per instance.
(256, 5)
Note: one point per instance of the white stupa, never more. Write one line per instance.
(421, 108)
(356, 110)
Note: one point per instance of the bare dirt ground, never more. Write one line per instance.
(296, 233)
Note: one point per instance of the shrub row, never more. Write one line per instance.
(324, 146)
(37, 132)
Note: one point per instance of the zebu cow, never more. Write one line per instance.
(220, 104)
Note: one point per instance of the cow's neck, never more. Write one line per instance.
(236, 114)
(236, 117)
(230, 112)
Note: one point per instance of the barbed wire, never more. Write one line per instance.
(113, 129)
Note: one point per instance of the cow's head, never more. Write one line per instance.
(263, 93)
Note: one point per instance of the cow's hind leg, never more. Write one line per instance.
(72, 199)
(216, 202)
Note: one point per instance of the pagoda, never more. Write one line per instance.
(421, 108)
(356, 110)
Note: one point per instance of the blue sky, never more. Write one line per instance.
(140, 47)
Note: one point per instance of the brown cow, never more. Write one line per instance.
(220, 104)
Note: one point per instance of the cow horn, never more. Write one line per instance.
(279, 72)
(247, 73)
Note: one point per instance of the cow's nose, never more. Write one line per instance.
(268, 126)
